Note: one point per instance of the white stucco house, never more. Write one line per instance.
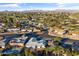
(2, 44)
(35, 43)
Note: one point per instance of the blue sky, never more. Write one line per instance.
(37, 6)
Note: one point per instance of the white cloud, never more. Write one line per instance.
(65, 6)
(10, 5)
(17, 7)
(39, 1)
(61, 5)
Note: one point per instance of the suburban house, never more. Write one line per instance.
(51, 31)
(15, 45)
(36, 30)
(59, 31)
(45, 30)
(48, 38)
(1, 24)
(39, 25)
(23, 30)
(13, 29)
(13, 50)
(36, 43)
(69, 43)
(75, 46)
(2, 43)
(74, 35)
(29, 29)
(18, 41)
